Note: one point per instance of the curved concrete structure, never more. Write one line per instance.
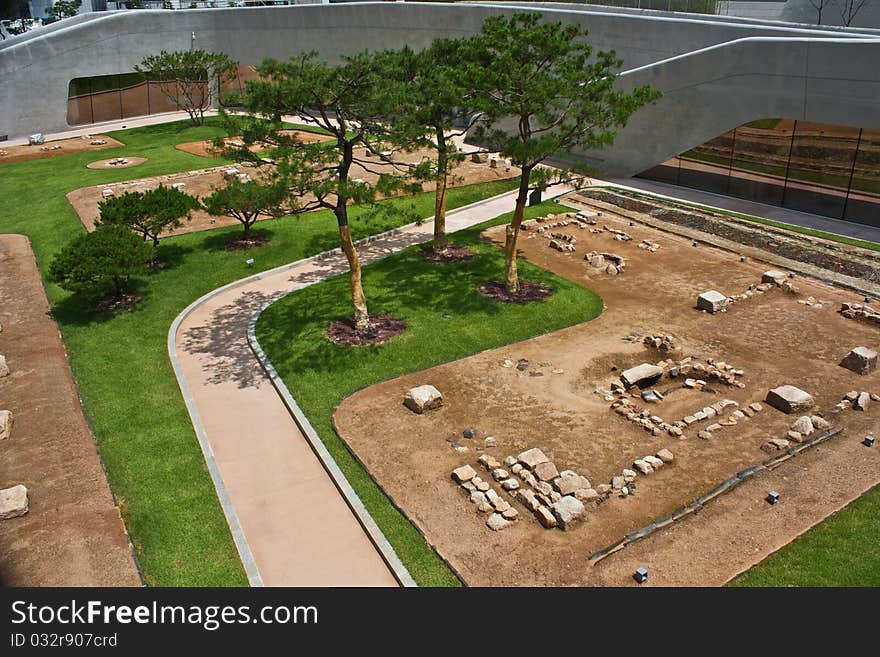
(715, 73)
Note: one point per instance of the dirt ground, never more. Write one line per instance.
(772, 337)
(73, 534)
(206, 148)
(202, 182)
(68, 146)
(113, 163)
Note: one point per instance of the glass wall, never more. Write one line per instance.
(824, 169)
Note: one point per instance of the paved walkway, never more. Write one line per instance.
(290, 522)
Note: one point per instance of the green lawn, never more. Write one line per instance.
(120, 361)
(320, 373)
(842, 551)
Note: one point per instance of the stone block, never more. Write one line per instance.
(546, 471)
(13, 502)
(860, 360)
(789, 399)
(5, 424)
(423, 399)
(532, 457)
(568, 511)
(641, 374)
(711, 301)
(464, 473)
(774, 276)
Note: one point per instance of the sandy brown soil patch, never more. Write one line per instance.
(206, 148)
(73, 534)
(552, 404)
(202, 182)
(117, 163)
(50, 148)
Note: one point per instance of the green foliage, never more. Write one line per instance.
(101, 262)
(320, 373)
(148, 213)
(247, 201)
(189, 78)
(559, 94)
(64, 9)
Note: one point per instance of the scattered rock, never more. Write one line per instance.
(5, 424)
(464, 473)
(510, 484)
(794, 436)
(642, 466)
(568, 511)
(603, 489)
(653, 461)
(489, 462)
(618, 482)
(789, 399)
(496, 522)
(490, 441)
(803, 425)
(641, 374)
(711, 301)
(500, 473)
(4, 368)
(819, 423)
(569, 482)
(665, 455)
(628, 475)
(775, 445)
(546, 471)
(587, 494)
(478, 498)
(705, 435)
(775, 277)
(861, 403)
(532, 457)
(510, 514)
(13, 502)
(860, 360)
(423, 399)
(545, 517)
(756, 407)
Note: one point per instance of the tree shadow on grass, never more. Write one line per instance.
(83, 310)
(219, 240)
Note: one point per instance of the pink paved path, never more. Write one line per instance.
(290, 522)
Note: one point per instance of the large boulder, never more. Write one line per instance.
(789, 399)
(532, 457)
(641, 374)
(712, 301)
(569, 482)
(568, 511)
(860, 360)
(13, 502)
(423, 399)
(5, 424)
(774, 276)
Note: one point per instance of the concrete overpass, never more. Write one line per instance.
(715, 72)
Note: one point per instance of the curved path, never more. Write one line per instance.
(294, 518)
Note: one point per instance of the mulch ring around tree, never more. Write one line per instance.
(240, 243)
(453, 253)
(381, 329)
(497, 290)
(112, 303)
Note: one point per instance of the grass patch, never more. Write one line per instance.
(120, 361)
(320, 373)
(842, 551)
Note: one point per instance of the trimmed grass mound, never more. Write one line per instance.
(447, 318)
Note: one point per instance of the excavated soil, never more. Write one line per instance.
(206, 147)
(552, 404)
(73, 145)
(73, 534)
(203, 182)
(113, 163)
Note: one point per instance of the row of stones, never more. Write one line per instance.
(543, 224)
(14, 500)
(858, 401)
(858, 311)
(713, 301)
(803, 427)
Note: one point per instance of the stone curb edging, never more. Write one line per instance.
(241, 544)
(377, 538)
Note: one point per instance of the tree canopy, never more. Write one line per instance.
(189, 78)
(103, 262)
(150, 213)
(248, 201)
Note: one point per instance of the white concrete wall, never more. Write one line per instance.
(715, 74)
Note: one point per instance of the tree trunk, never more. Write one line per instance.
(440, 194)
(440, 215)
(512, 232)
(117, 282)
(358, 300)
(155, 241)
